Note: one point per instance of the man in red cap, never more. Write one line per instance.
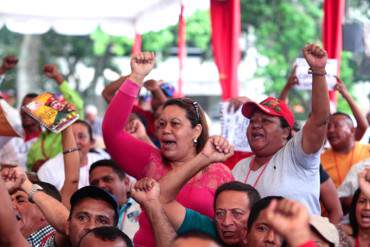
(282, 165)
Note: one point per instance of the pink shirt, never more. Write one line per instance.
(140, 159)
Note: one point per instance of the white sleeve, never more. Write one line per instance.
(307, 161)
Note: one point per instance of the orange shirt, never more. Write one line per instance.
(337, 165)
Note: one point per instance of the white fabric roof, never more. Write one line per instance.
(81, 17)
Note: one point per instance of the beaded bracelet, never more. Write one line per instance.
(71, 150)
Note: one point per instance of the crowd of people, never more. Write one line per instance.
(150, 175)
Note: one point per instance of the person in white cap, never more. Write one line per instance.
(323, 233)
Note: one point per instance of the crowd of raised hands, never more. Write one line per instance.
(190, 198)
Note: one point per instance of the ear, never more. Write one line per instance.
(197, 130)
(286, 132)
(126, 181)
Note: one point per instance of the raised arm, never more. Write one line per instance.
(154, 87)
(291, 82)
(54, 211)
(51, 71)
(314, 131)
(146, 192)
(9, 62)
(130, 153)
(356, 111)
(217, 149)
(10, 234)
(110, 90)
(71, 160)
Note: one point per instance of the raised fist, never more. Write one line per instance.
(13, 177)
(217, 149)
(151, 85)
(9, 62)
(145, 191)
(51, 71)
(315, 56)
(340, 87)
(141, 65)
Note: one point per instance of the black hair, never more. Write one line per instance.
(195, 114)
(198, 235)
(95, 193)
(352, 213)
(50, 190)
(348, 117)
(88, 126)
(108, 163)
(31, 95)
(284, 124)
(251, 192)
(258, 207)
(108, 233)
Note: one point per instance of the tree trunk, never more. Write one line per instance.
(28, 69)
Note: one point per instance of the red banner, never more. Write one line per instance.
(332, 32)
(136, 46)
(181, 44)
(225, 23)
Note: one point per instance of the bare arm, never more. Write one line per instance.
(110, 89)
(216, 149)
(9, 230)
(314, 131)
(53, 210)
(359, 116)
(146, 192)
(71, 166)
(154, 87)
(9, 62)
(292, 80)
(330, 200)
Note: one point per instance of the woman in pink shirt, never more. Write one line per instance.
(182, 131)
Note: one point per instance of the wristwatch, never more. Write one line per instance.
(34, 189)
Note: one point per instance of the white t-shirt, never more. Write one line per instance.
(350, 182)
(291, 173)
(52, 171)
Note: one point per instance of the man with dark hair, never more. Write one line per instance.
(107, 175)
(105, 236)
(259, 232)
(91, 207)
(343, 137)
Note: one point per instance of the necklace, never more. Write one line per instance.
(259, 175)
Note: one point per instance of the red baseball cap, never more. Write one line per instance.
(271, 106)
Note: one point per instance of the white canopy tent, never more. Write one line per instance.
(81, 17)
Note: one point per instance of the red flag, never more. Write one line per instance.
(225, 22)
(136, 46)
(332, 33)
(181, 43)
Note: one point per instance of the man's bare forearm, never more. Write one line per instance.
(163, 230)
